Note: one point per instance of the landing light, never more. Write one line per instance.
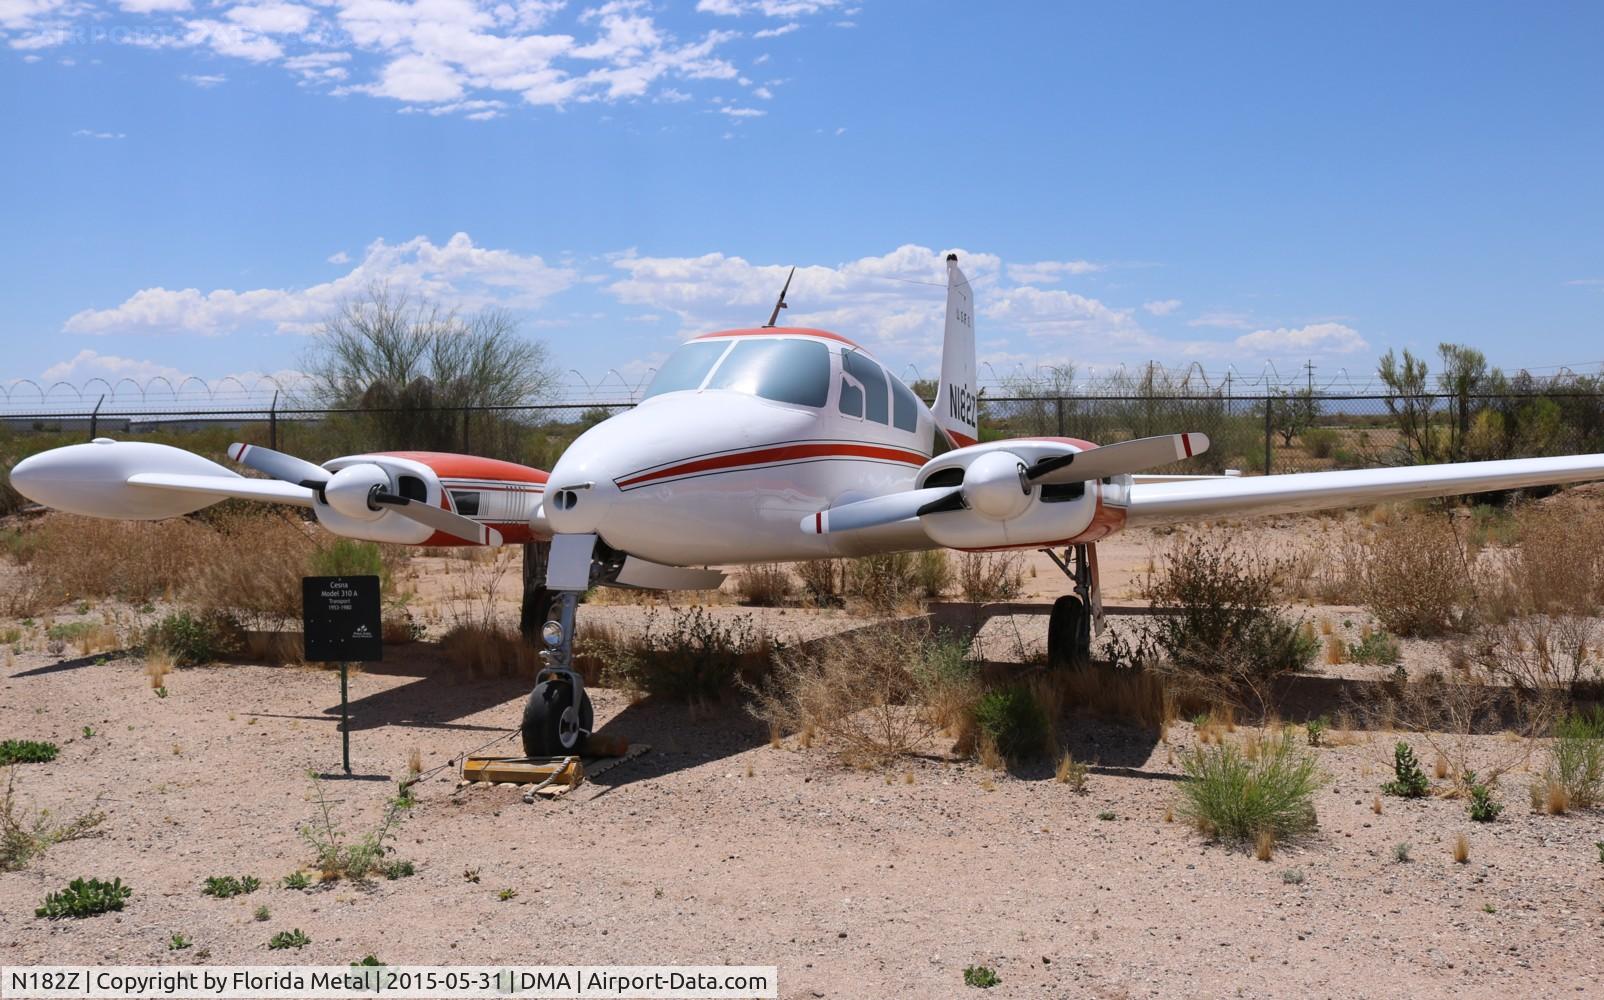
(552, 634)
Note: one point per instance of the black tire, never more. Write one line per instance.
(1069, 633)
(543, 729)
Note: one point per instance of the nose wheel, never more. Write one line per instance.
(558, 718)
(553, 725)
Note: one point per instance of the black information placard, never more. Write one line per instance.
(341, 618)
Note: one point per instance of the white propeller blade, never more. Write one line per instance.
(874, 511)
(1118, 459)
(440, 519)
(277, 464)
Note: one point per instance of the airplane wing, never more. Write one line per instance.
(231, 485)
(1153, 504)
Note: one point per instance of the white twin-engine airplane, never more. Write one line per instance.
(756, 445)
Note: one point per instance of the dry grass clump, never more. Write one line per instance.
(1574, 774)
(1460, 849)
(1071, 772)
(159, 662)
(990, 576)
(1129, 694)
(875, 694)
(824, 581)
(24, 838)
(1415, 578)
(1448, 713)
(765, 585)
(489, 650)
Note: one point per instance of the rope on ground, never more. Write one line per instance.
(457, 760)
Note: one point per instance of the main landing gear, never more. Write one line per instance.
(1069, 630)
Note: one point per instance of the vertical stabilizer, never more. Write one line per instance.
(957, 408)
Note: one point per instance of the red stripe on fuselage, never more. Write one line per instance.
(780, 453)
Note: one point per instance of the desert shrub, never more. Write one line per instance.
(75, 557)
(493, 650)
(877, 694)
(296, 939)
(296, 880)
(1319, 442)
(192, 638)
(1414, 579)
(393, 870)
(1220, 630)
(229, 886)
(764, 585)
(85, 898)
(1537, 652)
(350, 557)
(1013, 721)
(27, 752)
(257, 575)
(990, 576)
(693, 655)
(885, 582)
(1558, 567)
(1408, 780)
(824, 581)
(981, 977)
(25, 838)
(1483, 807)
(1071, 772)
(932, 572)
(1229, 795)
(1576, 758)
(1374, 649)
(335, 854)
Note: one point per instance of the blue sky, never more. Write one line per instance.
(192, 184)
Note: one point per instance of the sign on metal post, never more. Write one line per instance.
(342, 623)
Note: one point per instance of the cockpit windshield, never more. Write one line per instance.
(786, 371)
(686, 368)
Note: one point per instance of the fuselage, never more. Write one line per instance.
(741, 434)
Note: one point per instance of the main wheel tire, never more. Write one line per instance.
(552, 727)
(1069, 633)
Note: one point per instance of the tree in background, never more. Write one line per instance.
(424, 363)
(1409, 403)
(1464, 376)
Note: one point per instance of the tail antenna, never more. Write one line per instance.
(780, 302)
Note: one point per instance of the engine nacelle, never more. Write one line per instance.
(1007, 510)
(92, 479)
(348, 511)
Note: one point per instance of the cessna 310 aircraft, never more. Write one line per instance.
(757, 445)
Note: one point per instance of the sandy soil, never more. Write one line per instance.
(715, 847)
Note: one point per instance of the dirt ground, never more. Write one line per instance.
(715, 847)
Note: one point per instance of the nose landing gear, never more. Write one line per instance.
(558, 716)
(1069, 630)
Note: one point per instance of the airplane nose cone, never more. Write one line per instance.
(579, 492)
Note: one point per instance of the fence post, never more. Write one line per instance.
(272, 423)
(94, 419)
(465, 447)
(1269, 432)
(1059, 402)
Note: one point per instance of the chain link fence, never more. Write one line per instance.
(1281, 433)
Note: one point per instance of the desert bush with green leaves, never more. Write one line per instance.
(1231, 795)
(85, 898)
(27, 752)
(691, 655)
(339, 855)
(1408, 780)
(1013, 721)
(229, 886)
(1576, 758)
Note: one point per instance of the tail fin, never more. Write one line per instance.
(957, 407)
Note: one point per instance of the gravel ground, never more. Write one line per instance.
(715, 847)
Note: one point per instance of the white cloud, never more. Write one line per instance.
(767, 8)
(205, 80)
(84, 133)
(87, 364)
(1161, 307)
(743, 112)
(1056, 313)
(763, 93)
(445, 52)
(456, 272)
(1048, 272)
(153, 381)
(1223, 319)
(272, 18)
(1316, 338)
(784, 29)
(339, 257)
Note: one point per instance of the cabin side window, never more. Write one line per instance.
(904, 407)
(873, 380)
